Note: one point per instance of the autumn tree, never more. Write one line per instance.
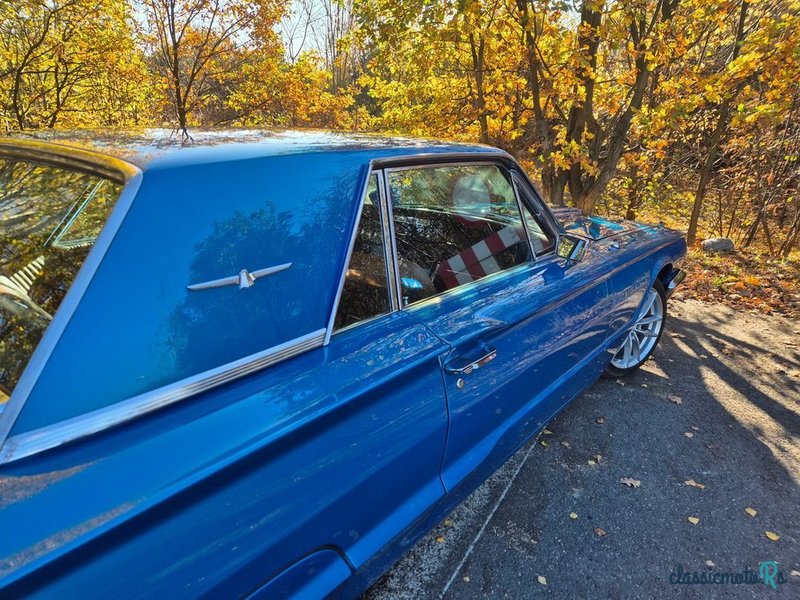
(195, 42)
(53, 53)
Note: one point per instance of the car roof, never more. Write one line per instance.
(151, 149)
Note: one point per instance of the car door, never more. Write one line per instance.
(525, 330)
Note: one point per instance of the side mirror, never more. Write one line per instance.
(571, 247)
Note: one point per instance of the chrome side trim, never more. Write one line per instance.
(351, 244)
(26, 444)
(133, 177)
(244, 279)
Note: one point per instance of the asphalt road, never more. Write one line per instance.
(718, 403)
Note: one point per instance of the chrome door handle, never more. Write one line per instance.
(465, 366)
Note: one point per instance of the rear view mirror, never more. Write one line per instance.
(571, 247)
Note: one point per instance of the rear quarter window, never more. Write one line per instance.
(50, 218)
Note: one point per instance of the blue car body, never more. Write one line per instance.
(165, 443)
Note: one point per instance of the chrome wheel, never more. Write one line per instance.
(644, 335)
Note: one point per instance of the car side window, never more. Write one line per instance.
(541, 240)
(454, 225)
(366, 292)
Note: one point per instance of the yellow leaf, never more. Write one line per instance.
(694, 520)
(543, 443)
(689, 434)
(542, 579)
(751, 511)
(573, 515)
(591, 462)
(773, 536)
(694, 484)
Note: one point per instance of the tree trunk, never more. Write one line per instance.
(480, 101)
(716, 138)
(706, 170)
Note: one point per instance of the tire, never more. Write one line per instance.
(643, 337)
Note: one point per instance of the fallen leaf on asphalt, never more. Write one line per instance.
(600, 531)
(440, 539)
(598, 457)
(573, 515)
(694, 484)
(565, 444)
(676, 399)
(689, 434)
(710, 563)
(694, 520)
(547, 432)
(448, 522)
(600, 420)
(680, 336)
(772, 535)
(622, 383)
(543, 443)
(695, 428)
(751, 511)
(591, 462)
(644, 385)
(794, 573)
(542, 579)
(630, 482)
(466, 578)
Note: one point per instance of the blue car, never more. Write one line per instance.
(263, 365)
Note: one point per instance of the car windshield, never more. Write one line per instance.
(49, 219)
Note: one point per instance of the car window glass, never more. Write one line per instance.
(454, 225)
(541, 240)
(51, 217)
(366, 291)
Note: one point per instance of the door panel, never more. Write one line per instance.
(546, 323)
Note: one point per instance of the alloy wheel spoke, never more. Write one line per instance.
(649, 302)
(649, 320)
(646, 333)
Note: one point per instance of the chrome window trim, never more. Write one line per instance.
(526, 185)
(387, 192)
(351, 243)
(548, 228)
(45, 438)
(521, 209)
(388, 244)
(66, 157)
(69, 157)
